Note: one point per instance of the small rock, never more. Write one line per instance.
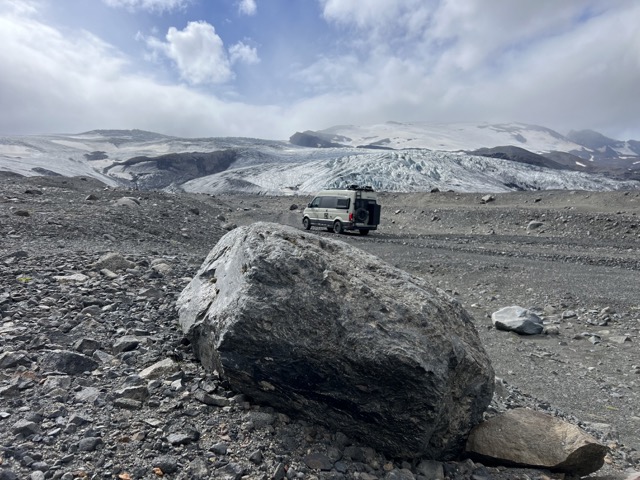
(183, 438)
(127, 202)
(89, 444)
(220, 448)
(71, 278)
(318, 461)
(531, 438)
(256, 457)
(160, 369)
(165, 463)
(25, 427)
(431, 469)
(517, 319)
(71, 363)
(214, 400)
(13, 359)
(534, 225)
(619, 339)
(112, 261)
(126, 344)
(127, 403)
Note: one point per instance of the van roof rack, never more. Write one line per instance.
(364, 188)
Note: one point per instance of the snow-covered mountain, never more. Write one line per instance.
(390, 156)
(469, 137)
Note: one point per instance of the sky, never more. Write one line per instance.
(269, 68)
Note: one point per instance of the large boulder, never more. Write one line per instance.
(321, 330)
(528, 438)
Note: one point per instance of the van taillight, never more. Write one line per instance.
(351, 217)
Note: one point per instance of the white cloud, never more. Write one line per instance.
(247, 7)
(572, 64)
(198, 53)
(243, 53)
(150, 5)
(569, 64)
(374, 18)
(71, 83)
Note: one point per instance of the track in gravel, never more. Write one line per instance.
(487, 272)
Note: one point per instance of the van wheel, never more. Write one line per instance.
(362, 215)
(306, 223)
(337, 227)
(364, 232)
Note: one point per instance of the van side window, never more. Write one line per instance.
(343, 203)
(315, 203)
(327, 202)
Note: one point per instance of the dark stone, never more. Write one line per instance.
(318, 461)
(71, 363)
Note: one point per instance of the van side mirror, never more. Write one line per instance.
(309, 204)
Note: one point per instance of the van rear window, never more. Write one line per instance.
(343, 203)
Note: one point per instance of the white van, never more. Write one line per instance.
(355, 208)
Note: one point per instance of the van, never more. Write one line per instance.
(354, 208)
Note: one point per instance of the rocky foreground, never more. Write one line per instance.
(97, 380)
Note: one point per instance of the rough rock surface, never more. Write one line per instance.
(528, 438)
(319, 329)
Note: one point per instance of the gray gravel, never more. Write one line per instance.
(579, 270)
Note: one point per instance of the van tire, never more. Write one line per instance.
(306, 223)
(337, 227)
(362, 215)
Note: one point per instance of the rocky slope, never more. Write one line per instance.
(143, 407)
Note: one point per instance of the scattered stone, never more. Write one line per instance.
(318, 461)
(127, 403)
(14, 359)
(183, 438)
(160, 369)
(112, 261)
(213, 400)
(165, 463)
(431, 469)
(534, 225)
(71, 278)
(530, 438)
(89, 444)
(293, 206)
(126, 344)
(91, 198)
(517, 319)
(25, 427)
(86, 346)
(619, 339)
(65, 361)
(22, 213)
(129, 202)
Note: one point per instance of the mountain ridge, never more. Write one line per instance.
(394, 156)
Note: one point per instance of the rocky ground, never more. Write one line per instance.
(144, 408)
